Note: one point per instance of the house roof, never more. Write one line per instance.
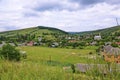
(115, 51)
(118, 43)
(107, 48)
(111, 50)
(97, 36)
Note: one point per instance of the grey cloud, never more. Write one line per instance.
(93, 2)
(87, 2)
(40, 13)
(49, 6)
(113, 1)
(30, 14)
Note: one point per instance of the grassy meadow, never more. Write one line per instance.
(44, 63)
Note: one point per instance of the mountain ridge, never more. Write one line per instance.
(102, 31)
(33, 29)
(40, 29)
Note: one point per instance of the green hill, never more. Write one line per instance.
(105, 31)
(31, 34)
(34, 30)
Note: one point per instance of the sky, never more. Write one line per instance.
(67, 15)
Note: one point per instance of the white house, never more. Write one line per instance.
(39, 39)
(93, 43)
(97, 37)
(55, 44)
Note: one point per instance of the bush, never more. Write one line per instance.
(73, 68)
(0, 54)
(0, 42)
(81, 47)
(90, 53)
(114, 45)
(9, 52)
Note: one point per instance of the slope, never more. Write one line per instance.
(105, 31)
(39, 30)
(30, 34)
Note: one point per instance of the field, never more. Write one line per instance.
(47, 64)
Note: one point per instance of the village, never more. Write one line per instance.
(108, 51)
(59, 39)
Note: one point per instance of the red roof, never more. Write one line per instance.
(30, 43)
(118, 43)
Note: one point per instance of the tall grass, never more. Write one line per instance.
(47, 64)
(33, 71)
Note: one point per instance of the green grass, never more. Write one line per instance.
(57, 54)
(44, 63)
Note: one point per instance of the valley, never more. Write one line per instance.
(54, 54)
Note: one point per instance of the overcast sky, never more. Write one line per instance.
(68, 15)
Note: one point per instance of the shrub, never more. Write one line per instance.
(114, 45)
(81, 47)
(90, 53)
(0, 53)
(73, 68)
(9, 52)
(0, 42)
(23, 54)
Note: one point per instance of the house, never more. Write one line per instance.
(97, 37)
(87, 37)
(31, 43)
(111, 54)
(39, 39)
(21, 44)
(108, 43)
(68, 38)
(35, 44)
(118, 37)
(93, 43)
(55, 44)
(118, 43)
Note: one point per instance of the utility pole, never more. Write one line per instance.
(117, 22)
